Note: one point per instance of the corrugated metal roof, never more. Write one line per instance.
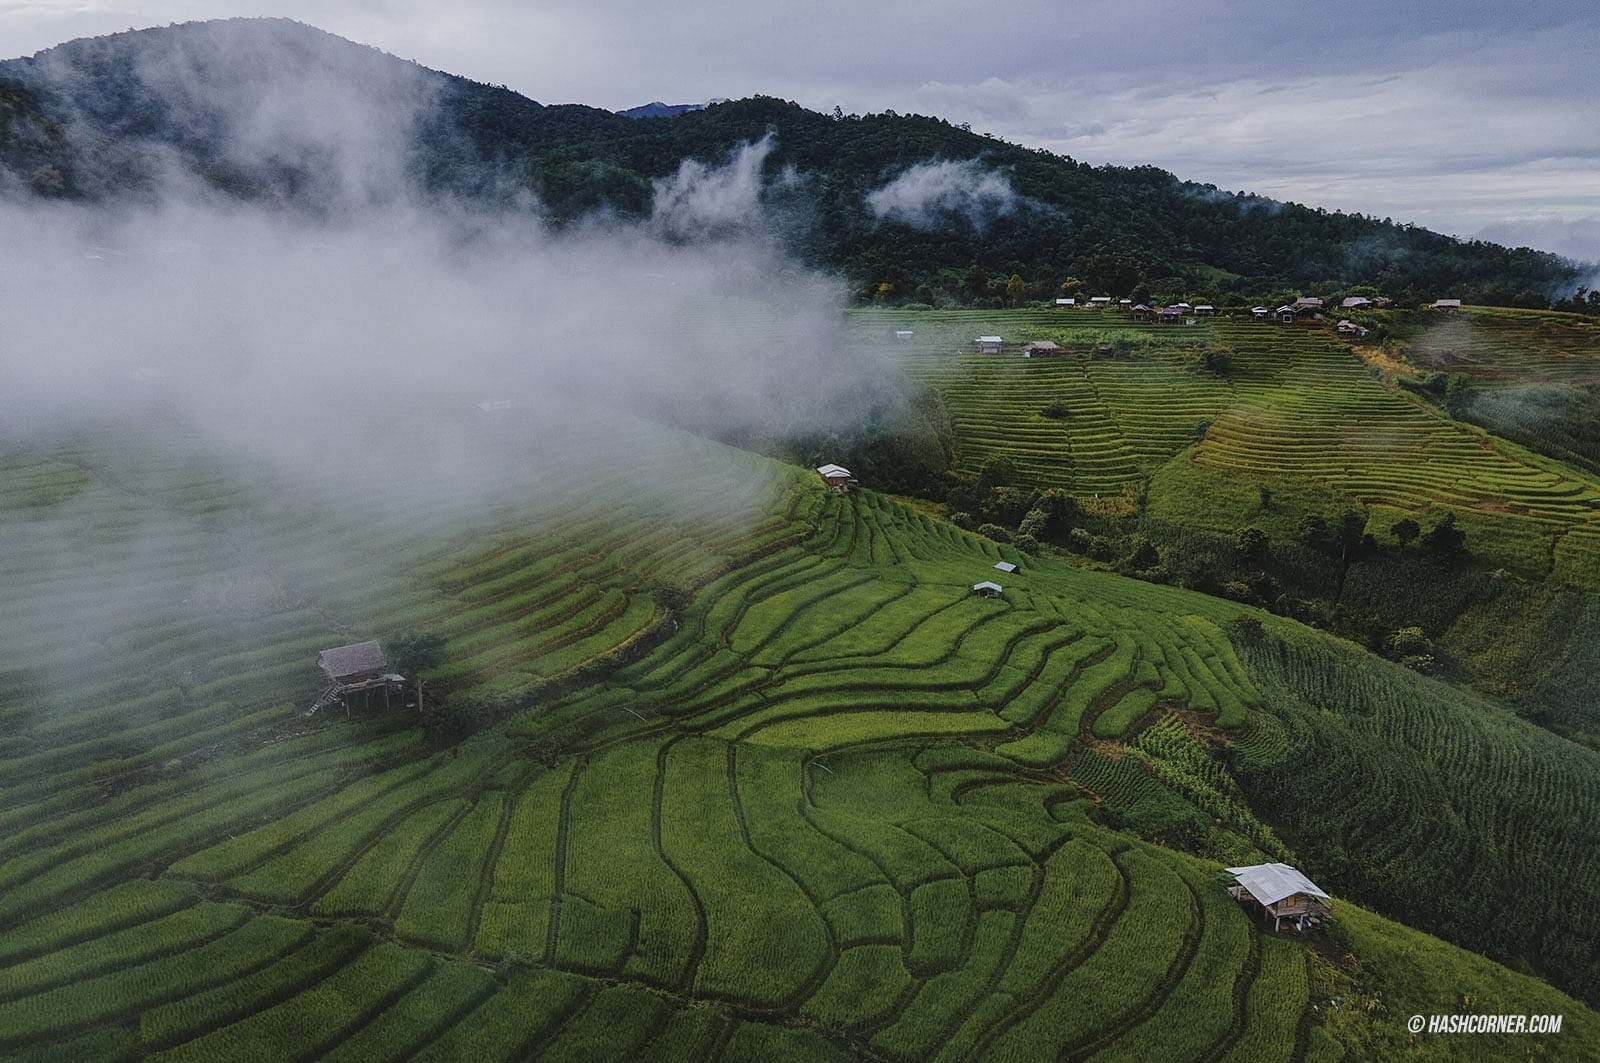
(1005, 566)
(1271, 883)
(833, 470)
(987, 586)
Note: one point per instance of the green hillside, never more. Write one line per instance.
(694, 757)
(1114, 228)
(1129, 451)
(750, 772)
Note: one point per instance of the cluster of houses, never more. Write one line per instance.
(1305, 308)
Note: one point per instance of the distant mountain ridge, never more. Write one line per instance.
(657, 109)
(274, 110)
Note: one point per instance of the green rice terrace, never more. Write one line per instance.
(1297, 413)
(741, 768)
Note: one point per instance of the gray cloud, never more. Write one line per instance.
(702, 200)
(384, 352)
(1576, 238)
(938, 193)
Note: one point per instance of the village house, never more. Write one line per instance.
(1169, 315)
(1347, 327)
(1124, 303)
(1100, 302)
(1066, 302)
(1205, 310)
(1286, 314)
(837, 477)
(988, 344)
(1005, 566)
(1282, 893)
(903, 334)
(987, 589)
(1308, 302)
(1260, 313)
(359, 668)
(1355, 302)
(1445, 304)
(1041, 349)
(1142, 311)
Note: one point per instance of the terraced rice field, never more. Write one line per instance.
(757, 838)
(836, 807)
(1298, 406)
(1511, 346)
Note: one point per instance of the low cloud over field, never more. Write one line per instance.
(367, 349)
(284, 327)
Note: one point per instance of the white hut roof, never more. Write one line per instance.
(1447, 302)
(833, 470)
(1066, 302)
(903, 333)
(986, 585)
(1271, 883)
(1259, 310)
(1204, 306)
(989, 339)
(1101, 299)
(1005, 566)
(1355, 300)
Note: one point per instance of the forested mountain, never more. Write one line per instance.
(113, 116)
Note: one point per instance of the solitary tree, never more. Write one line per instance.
(1016, 290)
(1405, 531)
(1445, 540)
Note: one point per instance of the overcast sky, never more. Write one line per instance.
(1469, 116)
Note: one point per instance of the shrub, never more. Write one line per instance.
(1247, 628)
(997, 473)
(1252, 542)
(995, 532)
(671, 598)
(1079, 541)
(411, 652)
(1026, 543)
(1033, 525)
(1057, 411)
(1408, 642)
(1004, 505)
(1143, 555)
